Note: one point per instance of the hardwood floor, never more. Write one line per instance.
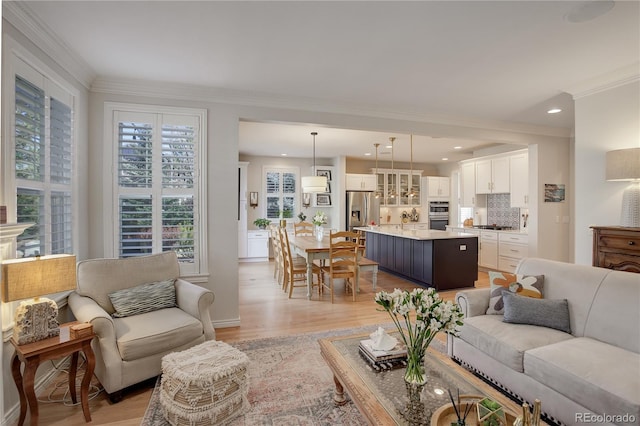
(265, 311)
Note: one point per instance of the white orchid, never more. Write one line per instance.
(319, 219)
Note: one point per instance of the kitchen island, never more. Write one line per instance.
(441, 259)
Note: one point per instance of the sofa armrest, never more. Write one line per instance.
(196, 301)
(473, 302)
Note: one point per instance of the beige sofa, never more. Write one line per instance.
(129, 350)
(589, 376)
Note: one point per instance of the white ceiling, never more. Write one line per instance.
(501, 61)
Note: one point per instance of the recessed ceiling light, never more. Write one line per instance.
(554, 111)
(457, 147)
(445, 159)
(284, 155)
(389, 146)
(366, 154)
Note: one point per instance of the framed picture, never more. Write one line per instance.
(323, 199)
(553, 192)
(306, 199)
(253, 199)
(325, 173)
(328, 188)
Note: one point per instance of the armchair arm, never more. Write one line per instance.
(473, 302)
(86, 309)
(196, 301)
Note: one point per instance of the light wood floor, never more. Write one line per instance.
(265, 311)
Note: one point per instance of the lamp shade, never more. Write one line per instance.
(314, 184)
(623, 164)
(36, 276)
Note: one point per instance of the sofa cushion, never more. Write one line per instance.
(155, 332)
(524, 285)
(143, 298)
(595, 374)
(507, 342)
(542, 312)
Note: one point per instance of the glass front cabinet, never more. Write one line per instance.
(399, 180)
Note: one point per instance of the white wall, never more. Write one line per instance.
(605, 121)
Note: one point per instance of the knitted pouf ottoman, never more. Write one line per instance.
(204, 385)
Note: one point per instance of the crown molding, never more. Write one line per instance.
(193, 93)
(25, 21)
(608, 81)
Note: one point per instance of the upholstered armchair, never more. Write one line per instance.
(130, 345)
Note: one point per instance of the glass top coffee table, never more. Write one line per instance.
(382, 396)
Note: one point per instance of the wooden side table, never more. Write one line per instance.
(33, 354)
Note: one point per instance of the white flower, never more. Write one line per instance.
(320, 218)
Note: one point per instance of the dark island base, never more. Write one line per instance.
(444, 264)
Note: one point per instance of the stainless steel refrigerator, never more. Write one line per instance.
(361, 209)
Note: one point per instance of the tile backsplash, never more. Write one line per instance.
(499, 211)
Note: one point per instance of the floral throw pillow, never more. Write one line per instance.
(528, 286)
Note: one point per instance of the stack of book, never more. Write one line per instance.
(383, 360)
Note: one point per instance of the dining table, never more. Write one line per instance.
(312, 249)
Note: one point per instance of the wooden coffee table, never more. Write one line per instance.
(380, 396)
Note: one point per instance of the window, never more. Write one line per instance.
(281, 191)
(43, 147)
(158, 155)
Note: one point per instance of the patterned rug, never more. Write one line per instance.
(289, 384)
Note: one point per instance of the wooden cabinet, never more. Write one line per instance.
(360, 182)
(519, 180)
(468, 184)
(437, 187)
(616, 247)
(492, 176)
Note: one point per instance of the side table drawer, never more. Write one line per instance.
(630, 243)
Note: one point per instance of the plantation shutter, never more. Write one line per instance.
(281, 191)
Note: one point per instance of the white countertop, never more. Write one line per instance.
(506, 231)
(416, 234)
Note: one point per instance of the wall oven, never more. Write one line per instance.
(438, 215)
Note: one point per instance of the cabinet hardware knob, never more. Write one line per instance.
(631, 243)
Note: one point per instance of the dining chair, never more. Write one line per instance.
(303, 229)
(296, 268)
(343, 261)
(278, 269)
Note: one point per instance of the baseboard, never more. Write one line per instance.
(226, 323)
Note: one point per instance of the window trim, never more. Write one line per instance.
(110, 178)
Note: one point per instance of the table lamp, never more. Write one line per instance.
(37, 318)
(624, 165)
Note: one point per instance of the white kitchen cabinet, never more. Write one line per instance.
(360, 182)
(511, 248)
(258, 244)
(468, 184)
(492, 175)
(438, 187)
(489, 249)
(398, 179)
(519, 179)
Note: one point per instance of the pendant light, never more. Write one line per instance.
(312, 184)
(412, 193)
(377, 193)
(392, 193)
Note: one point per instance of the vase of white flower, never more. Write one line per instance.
(432, 315)
(319, 219)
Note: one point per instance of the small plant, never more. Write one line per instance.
(490, 413)
(302, 216)
(261, 223)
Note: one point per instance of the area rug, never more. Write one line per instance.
(290, 383)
